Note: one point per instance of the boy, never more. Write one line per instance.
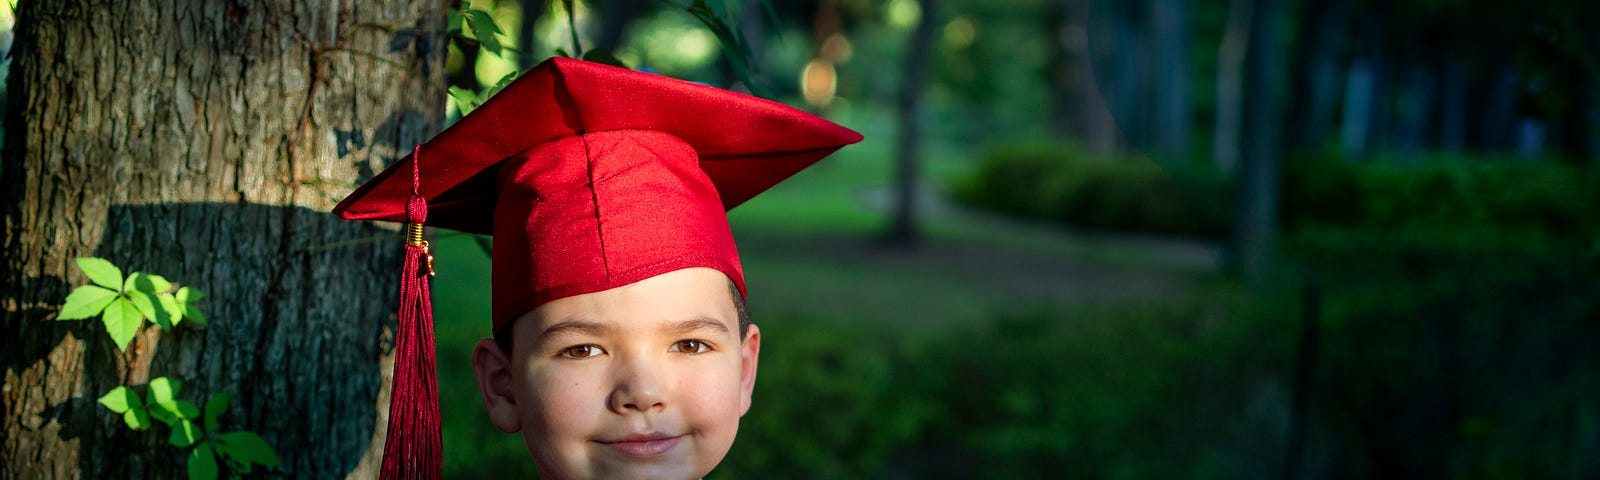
(622, 348)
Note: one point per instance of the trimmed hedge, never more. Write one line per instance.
(1062, 183)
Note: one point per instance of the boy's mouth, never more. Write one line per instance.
(642, 445)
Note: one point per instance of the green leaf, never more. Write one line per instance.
(247, 447)
(452, 21)
(186, 410)
(214, 407)
(465, 100)
(136, 417)
(164, 391)
(122, 321)
(189, 295)
(166, 303)
(605, 57)
(101, 272)
(202, 463)
(147, 283)
(192, 313)
(483, 27)
(163, 415)
(85, 302)
(119, 399)
(183, 434)
(146, 304)
(500, 85)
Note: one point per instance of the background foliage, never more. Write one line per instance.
(1432, 311)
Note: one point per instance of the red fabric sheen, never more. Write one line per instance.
(602, 210)
(413, 448)
(589, 177)
(745, 144)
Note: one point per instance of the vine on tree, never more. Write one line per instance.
(125, 304)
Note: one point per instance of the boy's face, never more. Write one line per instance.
(647, 380)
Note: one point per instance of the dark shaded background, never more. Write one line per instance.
(1138, 239)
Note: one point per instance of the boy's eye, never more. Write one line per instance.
(583, 351)
(690, 346)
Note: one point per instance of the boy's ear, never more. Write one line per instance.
(494, 383)
(749, 353)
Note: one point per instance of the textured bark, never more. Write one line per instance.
(205, 141)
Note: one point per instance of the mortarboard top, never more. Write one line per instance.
(592, 177)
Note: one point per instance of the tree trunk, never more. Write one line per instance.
(1314, 74)
(1079, 111)
(908, 152)
(613, 20)
(1169, 27)
(1258, 175)
(1230, 85)
(205, 141)
(527, 37)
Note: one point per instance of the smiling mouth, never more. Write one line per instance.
(643, 446)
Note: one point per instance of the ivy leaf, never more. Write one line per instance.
(136, 417)
(183, 434)
(453, 21)
(147, 283)
(164, 390)
(166, 303)
(483, 27)
(189, 295)
(500, 85)
(214, 408)
(192, 313)
(247, 447)
(605, 57)
(202, 463)
(119, 399)
(161, 414)
(148, 308)
(186, 410)
(122, 321)
(86, 301)
(186, 298)
(465, 100)
(101, 272)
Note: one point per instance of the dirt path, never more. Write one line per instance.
(971, 264)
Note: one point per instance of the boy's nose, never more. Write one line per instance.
(639, 388)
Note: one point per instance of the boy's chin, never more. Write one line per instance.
(605, 463)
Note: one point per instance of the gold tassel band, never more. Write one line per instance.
(414, 235)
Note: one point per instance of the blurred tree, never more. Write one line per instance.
(902, 226)
(1079, 110)
(1230, 85)
(527, 36)
(1314, 73)
(614, 18)
(1170, 120)
(1258, 175)
(206, 141)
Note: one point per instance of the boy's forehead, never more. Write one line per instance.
(692, 297)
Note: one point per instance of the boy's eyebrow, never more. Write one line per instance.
(585, 327)
(697, 323)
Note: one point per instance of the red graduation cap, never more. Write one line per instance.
(590, 177)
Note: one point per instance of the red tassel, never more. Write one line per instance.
(413, 448)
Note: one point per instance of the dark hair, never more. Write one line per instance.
(505, 339)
